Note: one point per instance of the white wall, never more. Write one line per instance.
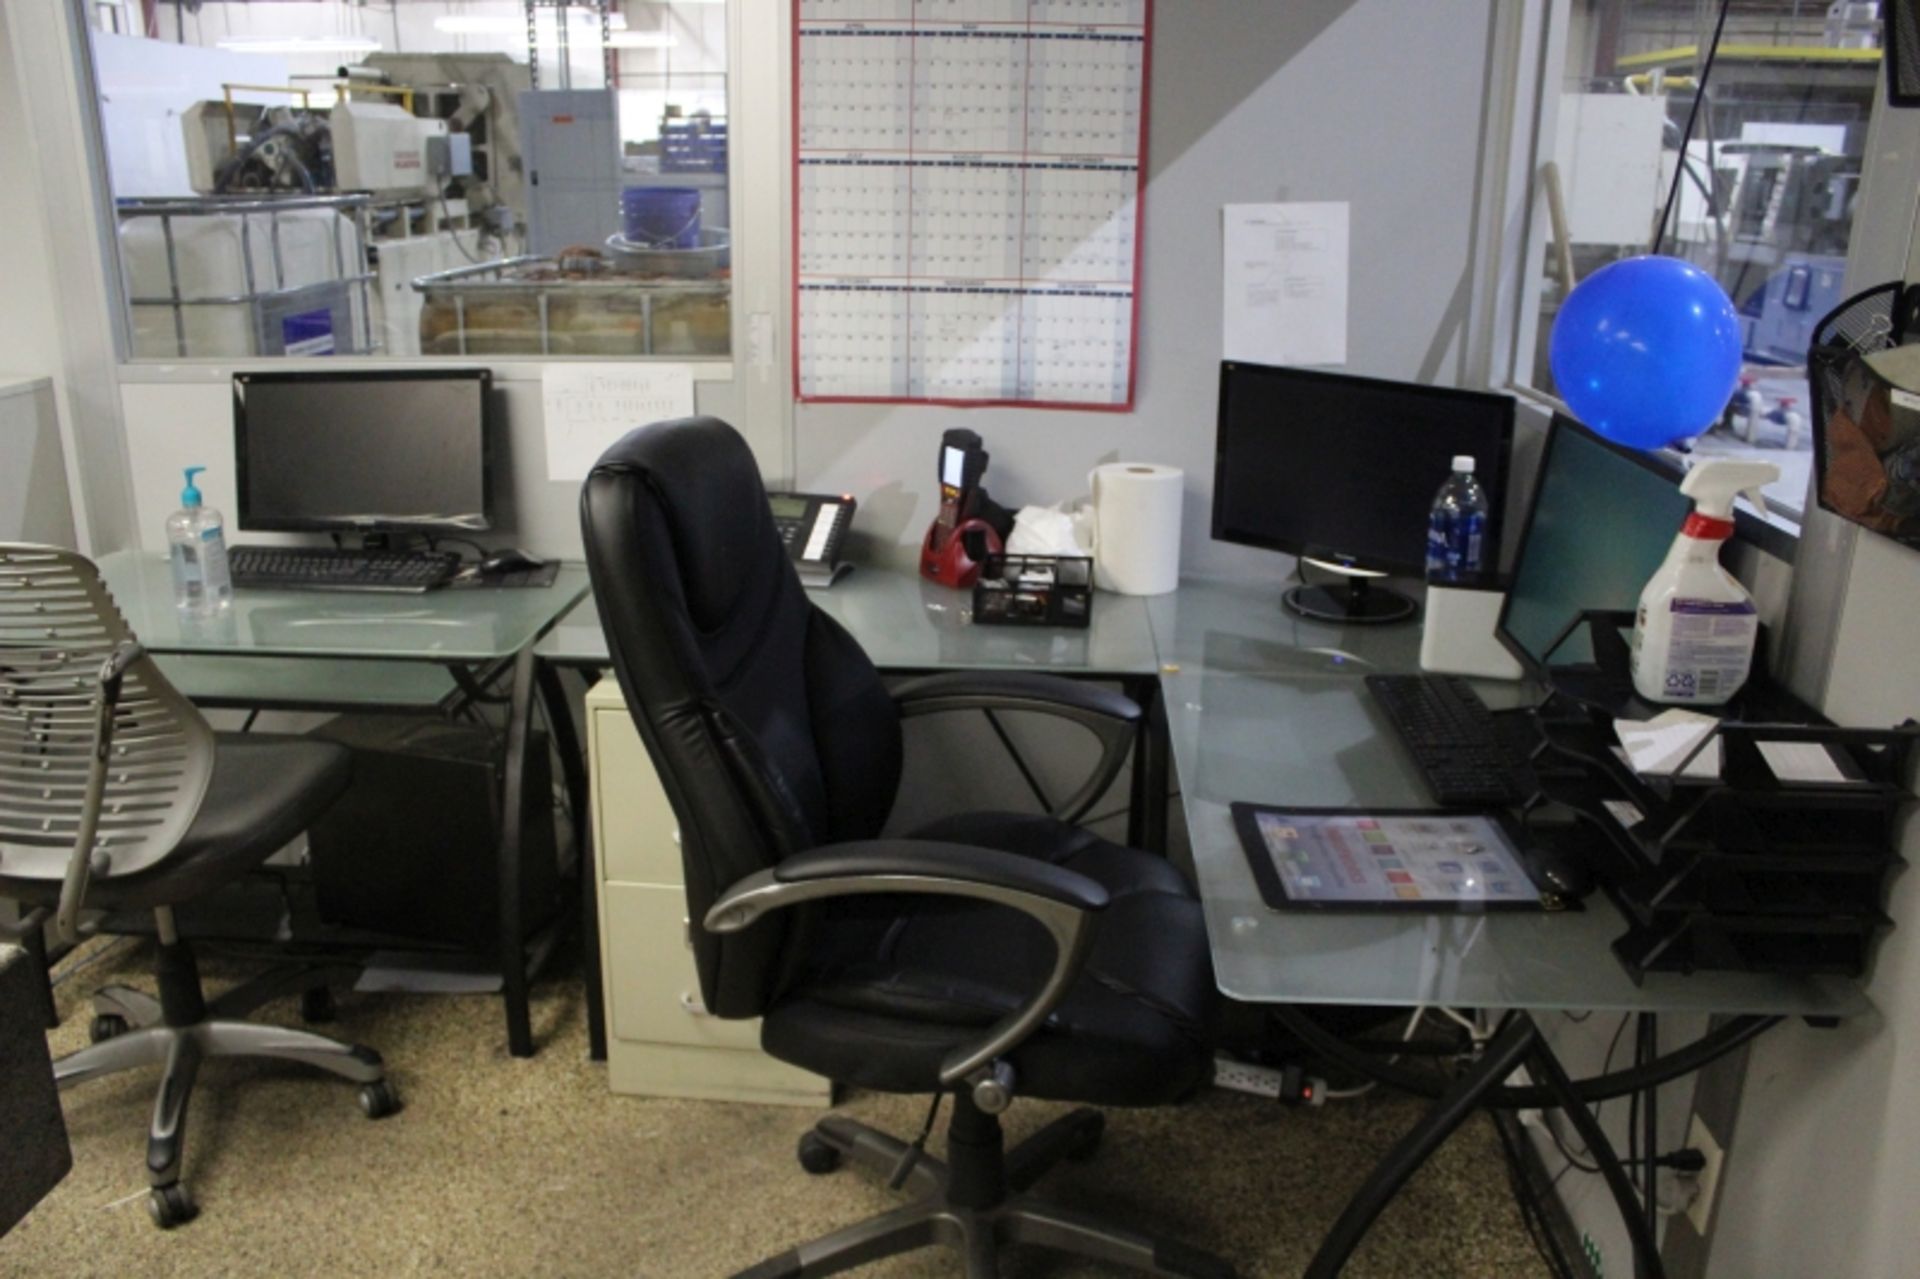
(1376, 102)
(1824, 1169)
(1824, 1172)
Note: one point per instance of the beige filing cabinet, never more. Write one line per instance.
(660, 1041)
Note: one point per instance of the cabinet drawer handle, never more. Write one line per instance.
(690, 1005)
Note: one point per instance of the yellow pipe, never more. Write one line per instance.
(1690, 53)
(393, 90)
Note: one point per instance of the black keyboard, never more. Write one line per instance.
(300, 568)
(1454, 740)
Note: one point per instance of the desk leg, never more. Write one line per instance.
(1515, 1042)
(573, 773)
(1147, 795)
(513, 950)
(1519, 1041)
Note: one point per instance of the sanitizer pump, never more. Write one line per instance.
(1694, 634)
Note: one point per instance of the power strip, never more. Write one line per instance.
(1290, 1086)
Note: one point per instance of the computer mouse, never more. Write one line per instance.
(509, 560)
(1562, 874)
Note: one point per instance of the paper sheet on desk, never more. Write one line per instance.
(589, 406)
(1656, 747)
(1285, 289)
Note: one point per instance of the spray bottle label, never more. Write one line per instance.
(1712, 648)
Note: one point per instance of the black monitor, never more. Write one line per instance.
(1342, 470)
(1601, 522)
(362, 451)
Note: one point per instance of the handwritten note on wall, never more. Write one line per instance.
(1285, 289)
(589, 406)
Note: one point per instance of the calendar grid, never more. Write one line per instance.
(968, 178)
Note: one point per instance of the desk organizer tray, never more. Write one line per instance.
(1759, 870)
(1034, 590)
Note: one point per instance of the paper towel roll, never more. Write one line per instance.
(1136, 523)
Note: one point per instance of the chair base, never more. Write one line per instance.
(976, 1206)
(132, 1029)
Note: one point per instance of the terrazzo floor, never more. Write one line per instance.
(514, 1167)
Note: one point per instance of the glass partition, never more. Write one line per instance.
(1751, 171)
(427, 177)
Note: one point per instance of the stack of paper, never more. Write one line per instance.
(1660, 747)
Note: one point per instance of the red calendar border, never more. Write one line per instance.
(1139, 245)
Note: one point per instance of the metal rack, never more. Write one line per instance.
(492, 281)
(265, 303)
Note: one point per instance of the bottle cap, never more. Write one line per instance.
(190, 495)
(1463, 463)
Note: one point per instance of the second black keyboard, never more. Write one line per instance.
(1454, 741)
(304, 568)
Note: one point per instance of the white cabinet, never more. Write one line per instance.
(661, 1041)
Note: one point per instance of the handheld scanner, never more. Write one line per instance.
(963, 461)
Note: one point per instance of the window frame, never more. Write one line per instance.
(1539, 81)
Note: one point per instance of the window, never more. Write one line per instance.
(468, 178)
(1768, 181)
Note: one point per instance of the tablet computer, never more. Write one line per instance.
(1387, 859)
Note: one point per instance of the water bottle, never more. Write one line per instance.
(1457, 527)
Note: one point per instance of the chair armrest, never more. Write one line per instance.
(73, 887)
(1064, 902)
(1113, 718)
(1012, 690)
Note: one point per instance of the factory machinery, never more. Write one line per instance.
(439, 206)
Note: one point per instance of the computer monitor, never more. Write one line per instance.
(1342, 470)
(362, 451)
(1601, 521)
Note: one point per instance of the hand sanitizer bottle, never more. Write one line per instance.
(197, 543)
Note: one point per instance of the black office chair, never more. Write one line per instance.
(993, 954)
(115, 795)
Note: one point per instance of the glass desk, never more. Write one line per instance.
(1263, 706)
(908, 625)
(429, 653)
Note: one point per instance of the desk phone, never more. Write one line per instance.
(814, 529)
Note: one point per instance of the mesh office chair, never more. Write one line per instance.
(993, 954)
(116, 795)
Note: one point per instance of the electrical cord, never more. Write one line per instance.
(1699, 96)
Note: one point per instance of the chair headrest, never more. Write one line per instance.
(694, 469)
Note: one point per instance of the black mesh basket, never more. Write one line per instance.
(1878, 319)
(1901, 20)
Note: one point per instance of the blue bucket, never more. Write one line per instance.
(661, 217)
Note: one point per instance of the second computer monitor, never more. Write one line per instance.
(1342, 470)
(1601, 523)
(371, 451)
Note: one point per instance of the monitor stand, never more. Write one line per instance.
(1356, 603)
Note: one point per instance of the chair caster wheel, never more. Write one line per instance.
(818, 1155)
(1086, 1142)
(107, 1026)
(317, 1007)
(170, 1206)
(379, 1099)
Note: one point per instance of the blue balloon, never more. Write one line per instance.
(1646, 351)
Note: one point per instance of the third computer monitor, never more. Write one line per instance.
(1601, 523)
(1342, 470)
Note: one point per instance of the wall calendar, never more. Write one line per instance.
(968, 178)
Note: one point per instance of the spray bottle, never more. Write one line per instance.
(1694, 634)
